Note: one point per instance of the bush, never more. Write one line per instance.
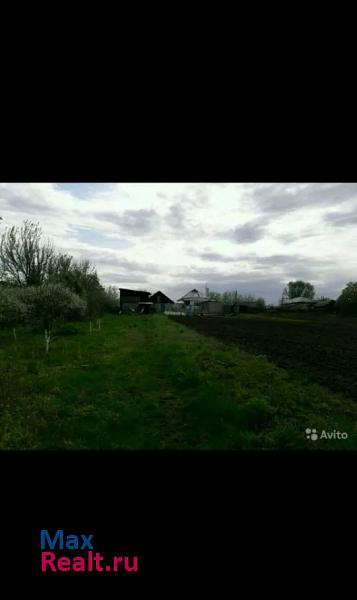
(12, 310)
(47, 304)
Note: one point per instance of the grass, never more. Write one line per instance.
(150, 383)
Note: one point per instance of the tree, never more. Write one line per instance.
(47, 304)
(299, 288)
(59, 269)
(347, 301)
(261, 306)
(215, 296)
(111, 299)
(24, 257)
(226, 297)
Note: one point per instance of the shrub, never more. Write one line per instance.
(47, 304)
(12, 310)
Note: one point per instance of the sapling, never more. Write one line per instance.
(99, 323)
(90, 327)
(14, 333)
(47, 340)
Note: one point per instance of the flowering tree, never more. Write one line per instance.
(12, 310)
(25, 258)
(50, 303)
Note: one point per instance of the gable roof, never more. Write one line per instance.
(160, 297)
(192, 294)
(298, 299)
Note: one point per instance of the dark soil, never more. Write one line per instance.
(325, 352)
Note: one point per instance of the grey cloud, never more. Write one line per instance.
(337, 219)
(243, 234)
(176, 217)
(102, 259)
(286, 259)
(194, 196)
(289, 238)
(15, 202)
(281, 198)
(135, 222)
(95, 238)
(123, 278)
(110, 259)
(248, 233)
(216, 257)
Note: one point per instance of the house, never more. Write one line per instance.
(192, 300)
(161, 302)
(298, 303)
(325, 305)
(130, 299)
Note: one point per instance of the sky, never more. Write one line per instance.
(250, 237)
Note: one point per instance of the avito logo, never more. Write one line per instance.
(313, 434)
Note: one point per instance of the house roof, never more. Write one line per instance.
(192, 295)
(125, 290)
(298, 300)
(324, 302)
(161, 297)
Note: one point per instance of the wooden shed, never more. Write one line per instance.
(130, 299)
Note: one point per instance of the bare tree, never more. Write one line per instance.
(25, 259)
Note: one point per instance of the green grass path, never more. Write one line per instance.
(149, 383)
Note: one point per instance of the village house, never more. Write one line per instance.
(192, 300)
(161, 302)
(298, 303)
(131, 299)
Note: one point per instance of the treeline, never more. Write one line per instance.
(234, 297)
(40, 286)
(346, 303)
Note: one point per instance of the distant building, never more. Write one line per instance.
(161, 302)
(130, 299)
(299, 300)
(325, 304)
(193, 298)
(298, 303)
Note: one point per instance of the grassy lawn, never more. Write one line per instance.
(150, 383)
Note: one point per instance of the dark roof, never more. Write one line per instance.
(161, 298)
(133, 291)
(133, 295)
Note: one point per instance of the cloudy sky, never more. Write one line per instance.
(253, 237)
